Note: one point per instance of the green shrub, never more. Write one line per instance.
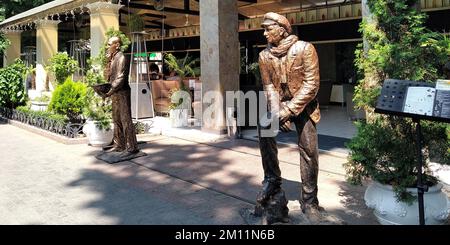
(12, 90)
(69, 99)
(398, 46)
(62, 66)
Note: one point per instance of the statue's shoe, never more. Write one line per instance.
(268, 190)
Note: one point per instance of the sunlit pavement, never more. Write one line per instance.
(179, 182)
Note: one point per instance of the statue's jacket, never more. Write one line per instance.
(118, 75)
(294, 77)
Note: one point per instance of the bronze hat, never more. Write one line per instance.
(274, 18)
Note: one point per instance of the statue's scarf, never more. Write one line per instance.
(283, 47)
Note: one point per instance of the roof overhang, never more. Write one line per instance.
(45, 10)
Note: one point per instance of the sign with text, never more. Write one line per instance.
(415, 99)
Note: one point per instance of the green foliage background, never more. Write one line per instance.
(101, 60)
(398, 46)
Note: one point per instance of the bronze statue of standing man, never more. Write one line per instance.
(116, 74)
(290, 69)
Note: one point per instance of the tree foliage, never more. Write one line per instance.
(12, 90)
(100, 61)
(14, 7)
(4, 42)
(399, 47)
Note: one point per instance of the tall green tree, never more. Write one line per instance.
(14, 7)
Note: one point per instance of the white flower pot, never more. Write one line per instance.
(96, 136)
(391, 212)
(178, 117)
(39, 106)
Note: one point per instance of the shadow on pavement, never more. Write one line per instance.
(192, 183)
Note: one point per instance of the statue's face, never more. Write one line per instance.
(273, 34)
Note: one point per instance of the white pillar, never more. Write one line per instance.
(46, 47)
(104, 15)
(13, 51)
(219, 53)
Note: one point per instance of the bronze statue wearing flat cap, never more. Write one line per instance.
(290, 68)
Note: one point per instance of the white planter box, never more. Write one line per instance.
(39, 106)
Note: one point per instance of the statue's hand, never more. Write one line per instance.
(285, 127)
(284, 115)
(107, 95)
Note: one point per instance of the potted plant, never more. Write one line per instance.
(183, 68)
(98, 111)
(181, 104)
(384, 149)
(62, 66)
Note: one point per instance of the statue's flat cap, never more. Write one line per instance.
(274, 18)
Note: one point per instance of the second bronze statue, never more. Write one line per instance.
(290, 69)
(125, 145)
(117, 75)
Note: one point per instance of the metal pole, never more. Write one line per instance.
(420, 187)
(138, 48)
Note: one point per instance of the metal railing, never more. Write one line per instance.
(70, 130)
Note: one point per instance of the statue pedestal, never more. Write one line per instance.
(272, 211)
(115, 157)
(295, 217)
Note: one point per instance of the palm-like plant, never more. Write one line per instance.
(184, 67)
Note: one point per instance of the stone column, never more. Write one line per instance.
(46, 47)
(104, 15)
(368, 16)
(13, 51)
(219, 53)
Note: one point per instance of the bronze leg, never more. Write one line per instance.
(127, 122)
(119, 142)
(272, 172)
(309, 159)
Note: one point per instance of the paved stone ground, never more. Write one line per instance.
(178, 182)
